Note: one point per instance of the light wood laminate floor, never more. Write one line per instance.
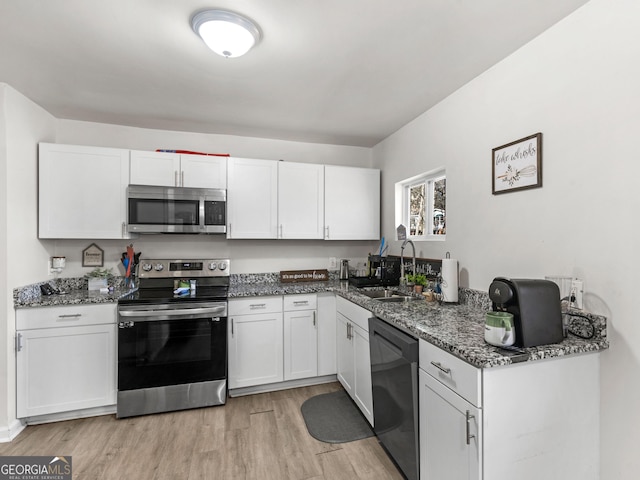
(259, 437)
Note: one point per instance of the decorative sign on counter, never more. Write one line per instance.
(518, 165)
(293, 276)
(93, 256)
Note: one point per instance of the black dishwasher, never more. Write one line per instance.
(394, 379)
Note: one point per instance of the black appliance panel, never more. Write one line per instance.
(171, 352)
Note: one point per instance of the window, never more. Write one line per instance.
(421, 205)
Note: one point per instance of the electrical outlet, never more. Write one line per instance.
(333, 263)
(577, 292)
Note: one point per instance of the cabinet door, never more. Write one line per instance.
(300, 344)
(352, 203)
(252, 198)
(300, 200)
(450, 433)
(65, 368)
(363, 394)
(203, 171)
(255, 349)
(327, 326)
(344, 353)
(155, 168)
(82, 192)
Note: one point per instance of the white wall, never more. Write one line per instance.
(24, 124)
(577, 84)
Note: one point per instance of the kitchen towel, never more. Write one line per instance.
(449, 284)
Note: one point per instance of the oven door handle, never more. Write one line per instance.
(173, 313)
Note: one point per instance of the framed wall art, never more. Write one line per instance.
(517, 165)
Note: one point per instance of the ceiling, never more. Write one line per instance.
(348, 72)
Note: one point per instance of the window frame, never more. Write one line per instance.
(402, 194)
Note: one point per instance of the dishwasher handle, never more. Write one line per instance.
(406, 344)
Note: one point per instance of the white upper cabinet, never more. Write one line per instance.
(300, 200)
(176, 170)
(252, 198)
(204, 171)
(351, 203)
(155, 168)
(82, 191)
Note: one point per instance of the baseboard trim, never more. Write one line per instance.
(11, 431)
(273, 387)
(72, 415)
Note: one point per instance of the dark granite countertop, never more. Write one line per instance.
(73, 297)
(458, 329)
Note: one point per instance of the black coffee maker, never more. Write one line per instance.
(535, 305)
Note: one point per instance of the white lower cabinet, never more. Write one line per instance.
(65, 359)
(353, 356)
(449, 433)
(300, 336)
(280, 339)
(255, 341)
(528, 420)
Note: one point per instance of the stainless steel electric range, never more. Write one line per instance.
(172, 337)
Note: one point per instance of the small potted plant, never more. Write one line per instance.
(417, 282)
(420, 281)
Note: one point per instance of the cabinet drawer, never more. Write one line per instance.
(65, 316)
(459, 376)
(300, 302)
(248, 306)
(355, 313)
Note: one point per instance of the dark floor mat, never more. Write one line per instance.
(334, 418)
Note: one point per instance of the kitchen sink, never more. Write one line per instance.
(397, 298)
(388, 295)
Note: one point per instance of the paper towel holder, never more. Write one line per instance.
(449, 285)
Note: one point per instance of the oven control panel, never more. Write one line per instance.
(216, 267)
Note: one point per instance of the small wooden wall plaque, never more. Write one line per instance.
(294, 276)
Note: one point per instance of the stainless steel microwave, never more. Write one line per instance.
(153, 209)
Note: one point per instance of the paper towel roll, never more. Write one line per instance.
(449, 284)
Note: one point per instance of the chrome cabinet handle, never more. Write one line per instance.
(441, 368)
(124, 230)
(301, 302)
(73, 316)
(469, 436)
(232, 327)
(182, 178)
(257, 305)
(327, 233)
(314, 318)
(18, 342)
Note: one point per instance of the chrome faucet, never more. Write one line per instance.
(413, 247)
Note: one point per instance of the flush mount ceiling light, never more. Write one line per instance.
(226, 33)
